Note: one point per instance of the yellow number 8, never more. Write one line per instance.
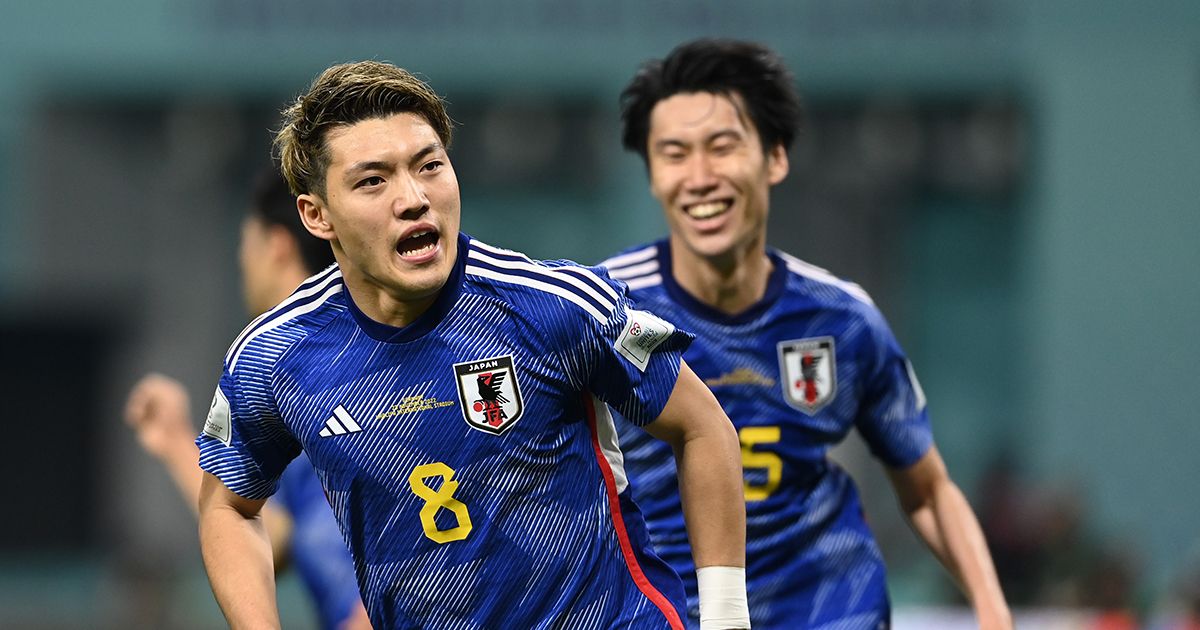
(435, 500)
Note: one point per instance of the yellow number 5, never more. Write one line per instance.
(435, 500)
(749, 436)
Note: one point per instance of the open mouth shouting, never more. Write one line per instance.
(419, 245)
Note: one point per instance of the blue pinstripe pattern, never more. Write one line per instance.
(811, 559)
(317, 550)
(542, 551)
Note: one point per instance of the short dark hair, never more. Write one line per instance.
(343, 95)
(274, 204)
(718, 66)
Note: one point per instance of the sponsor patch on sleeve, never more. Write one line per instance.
(217, 425)
(642, 334)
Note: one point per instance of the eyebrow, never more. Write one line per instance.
(432, 147)
(712, 137)
(383, 165)
(368, 165)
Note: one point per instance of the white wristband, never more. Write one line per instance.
(722, 598)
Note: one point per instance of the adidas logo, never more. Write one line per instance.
(341, 423)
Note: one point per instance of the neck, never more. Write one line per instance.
(383, 307)
(730, 283)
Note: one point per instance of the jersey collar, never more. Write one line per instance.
(775, 284)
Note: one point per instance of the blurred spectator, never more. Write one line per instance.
(1109, 588)
(1049, 556)
(1005, 516)
(1181, 610)
(1066, 549)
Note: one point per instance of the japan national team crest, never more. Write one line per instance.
(489, 394)
(809, 371)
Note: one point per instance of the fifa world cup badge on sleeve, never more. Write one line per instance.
(217, 425)
(809, 371)
(643, 333)
(489, 394)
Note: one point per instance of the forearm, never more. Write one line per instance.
(714, 510)
(708, 461)
(237, 557)
(948, 526)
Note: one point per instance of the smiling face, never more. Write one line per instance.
(709, 172)
(391, 209)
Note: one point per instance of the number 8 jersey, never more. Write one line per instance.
(470, 457)
(795, 373)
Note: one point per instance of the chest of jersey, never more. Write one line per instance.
(477, 419)
(791, 370)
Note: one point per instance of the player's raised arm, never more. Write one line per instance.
(237, 556)
(707, 456)
(157, 411)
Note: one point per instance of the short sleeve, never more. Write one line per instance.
(892, 419)
(631, 359)
(244, 442)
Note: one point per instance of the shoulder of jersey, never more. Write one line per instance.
(638, 267)
(510, 271)
(829, 285)
(305, 311)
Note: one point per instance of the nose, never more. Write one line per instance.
(410, 200)
(700, 177)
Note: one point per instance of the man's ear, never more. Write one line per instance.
(314, 216)
(777, 164)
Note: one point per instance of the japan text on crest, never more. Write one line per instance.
(809, 371)
(489, 394)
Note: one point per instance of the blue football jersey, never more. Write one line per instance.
(795, 373)
(471, 457)
(317, 551)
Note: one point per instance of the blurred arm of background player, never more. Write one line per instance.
(275, 255)
(941, 516)
(157, 410)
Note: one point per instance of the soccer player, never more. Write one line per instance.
(276, 254)
(796, 357)
(456, 401)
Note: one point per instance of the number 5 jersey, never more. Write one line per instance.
(470, 457)
(795, 372)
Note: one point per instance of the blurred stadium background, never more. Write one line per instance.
(1016, 182)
